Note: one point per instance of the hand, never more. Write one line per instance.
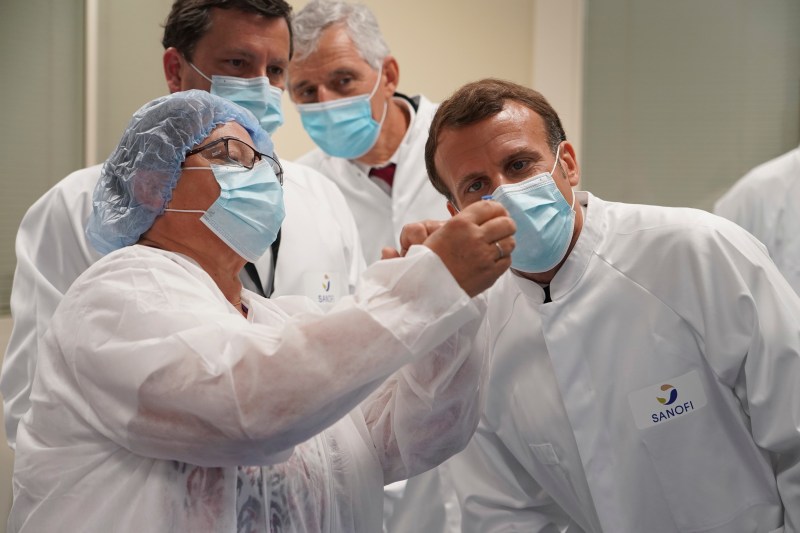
(475, 245)
(411, 234)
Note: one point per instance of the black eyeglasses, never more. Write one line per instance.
(233, 151)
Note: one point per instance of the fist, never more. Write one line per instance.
(475, 245)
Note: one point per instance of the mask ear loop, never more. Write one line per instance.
(374, 90)
(198, 71)
(169, 210)
(558, 151)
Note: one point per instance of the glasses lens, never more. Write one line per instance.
(229, 151)
(232, 151)
(241, 153)
(215, 152)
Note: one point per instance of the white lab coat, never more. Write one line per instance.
(319, 250)
(765, 203)
(151, 389)
(649, 297)
(379, 216)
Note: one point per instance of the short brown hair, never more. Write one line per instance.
(189, 20)
(477, 101)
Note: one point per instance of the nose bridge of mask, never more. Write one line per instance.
(257, 95)
(533, 182)
(235, 178)
(343, 102)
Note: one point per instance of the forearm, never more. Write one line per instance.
(214, 389)
(428, 410)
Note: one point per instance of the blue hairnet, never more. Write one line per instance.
(137, 179)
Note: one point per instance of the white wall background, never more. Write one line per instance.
(683, 97)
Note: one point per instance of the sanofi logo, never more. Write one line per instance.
(673, 395)
(326, 283)
(326, 297)
(658, 404)
(325, 288)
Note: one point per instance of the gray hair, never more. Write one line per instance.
(359, 23)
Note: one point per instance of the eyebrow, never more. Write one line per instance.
(533, 154)
(250, 55)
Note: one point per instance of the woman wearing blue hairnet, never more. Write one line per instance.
(160, 379)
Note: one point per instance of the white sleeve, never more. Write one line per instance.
(428, 410)
(166, 370)
(749, 322)
(766, 327)
(750, 206)
(51, 253)
(495, 492)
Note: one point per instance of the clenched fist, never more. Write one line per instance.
(475, 245)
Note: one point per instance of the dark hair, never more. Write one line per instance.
(477, 101)
(189, 20)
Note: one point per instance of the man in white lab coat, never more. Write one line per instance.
(646, 359)
(370, 142)
(370, 138)
(764, 202)
(239, 50)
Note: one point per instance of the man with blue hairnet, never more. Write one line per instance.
(238, 49)
(161, 376)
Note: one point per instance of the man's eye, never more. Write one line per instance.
(237, 63)
(518, 166)
(474, 187)
(305, 95)
(276, 72)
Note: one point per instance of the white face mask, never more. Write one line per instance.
(249, 211)
(344, 127)
(544, 219)
(254, 94)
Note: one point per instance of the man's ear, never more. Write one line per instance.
(450, 207)
(391, 71)
(569, 162)
(173, 66)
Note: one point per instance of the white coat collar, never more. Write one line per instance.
(409, 137)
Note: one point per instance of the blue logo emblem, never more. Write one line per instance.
(673, 395)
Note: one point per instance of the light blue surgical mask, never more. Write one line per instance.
(344, 127)
(544, 219)
(249, 211)
(254, 94)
